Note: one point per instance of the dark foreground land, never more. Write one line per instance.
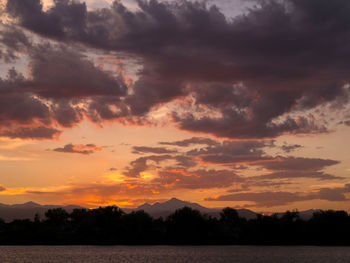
(111, 226)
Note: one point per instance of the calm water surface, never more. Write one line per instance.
(212, 254)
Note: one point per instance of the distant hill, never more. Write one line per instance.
(170, 206)
(165, 209)
(156, 210)
(28, 210)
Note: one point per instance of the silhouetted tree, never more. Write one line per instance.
(2, 225)
(232, 226)
(57, 216)
(139, 228)
(330, 228)
(186, 226)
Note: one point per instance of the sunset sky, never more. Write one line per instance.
(240, 103)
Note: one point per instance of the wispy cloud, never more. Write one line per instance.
(79, 148)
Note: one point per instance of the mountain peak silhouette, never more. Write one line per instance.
(29, 204)
(170, 206)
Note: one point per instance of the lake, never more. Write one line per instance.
(178, 254)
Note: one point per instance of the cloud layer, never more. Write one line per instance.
(203, 163)
(269, 199)
(242, 77)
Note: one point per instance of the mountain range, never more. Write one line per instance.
(165, 209)
(29, 209)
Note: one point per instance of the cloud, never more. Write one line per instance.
(22, 114)
(18, 106)
(297, 167)
(287, 148)
(171, 169)
(141, 164)
(32, 16)
(249, 183)
(192, 141)
(299, 174)
(298, 164)
(149, 162)
(62, 89)
(233, 152)
(270, 199)
(12, 41)
(238, 88)
(154, 150)
(185, 161)
(79, 148)
(37, 133)
(2, 188)
(197, 179)
(71, 76)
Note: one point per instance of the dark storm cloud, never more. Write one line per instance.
(217, 53)
(22, 108)
(258, 72)
(79, 148)
(222, 127)
(154, 150)
(269, 199)
(59, 72)
(22, 114)
(12, 41)
(62, 19)
(68, 79)
(63, 87)
(66, 114)
(38, 133)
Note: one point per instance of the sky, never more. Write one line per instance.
(224, 103)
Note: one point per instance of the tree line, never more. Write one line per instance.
(186, 226)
